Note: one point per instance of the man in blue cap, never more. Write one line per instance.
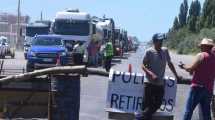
(154, 64)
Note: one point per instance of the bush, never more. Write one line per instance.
(185, 42)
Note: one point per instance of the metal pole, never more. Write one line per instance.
(41, 16)
(18, 27)
(49, 99)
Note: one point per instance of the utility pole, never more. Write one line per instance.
(18, 41)
(41, 16)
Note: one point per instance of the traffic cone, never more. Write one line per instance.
(129, 68)
(58, 61)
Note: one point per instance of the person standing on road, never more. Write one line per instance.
(78, 52)
(108, 54)
(203, 70)
(92, 53)
(154, 64)
(97, 47)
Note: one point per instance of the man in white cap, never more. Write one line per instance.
(203, 70)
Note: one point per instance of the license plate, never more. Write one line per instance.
(47, 60)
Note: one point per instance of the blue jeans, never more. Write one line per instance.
(198, 95)
(92, 60)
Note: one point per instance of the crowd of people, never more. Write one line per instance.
(99, 55)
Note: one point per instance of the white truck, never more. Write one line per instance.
(74, 26)
(107, 25)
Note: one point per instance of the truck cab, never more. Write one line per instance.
(118, 43)
(74, 26)
(33, 29)
(44, 52)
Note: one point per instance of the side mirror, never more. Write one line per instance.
(94, 29)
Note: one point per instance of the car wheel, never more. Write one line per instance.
(12, 55)
(29, 67)
(3, 56)
(25, 56)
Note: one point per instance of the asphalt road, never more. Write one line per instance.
(16, 65)
(94, 88)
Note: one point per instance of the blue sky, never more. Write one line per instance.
(141, 18)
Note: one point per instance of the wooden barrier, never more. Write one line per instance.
(29, 99)
(62, 70)
(26, 99)
(23, 104)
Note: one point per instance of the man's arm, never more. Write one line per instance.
(193, 66)
(172, 68)
(145, 69)
(149, 73)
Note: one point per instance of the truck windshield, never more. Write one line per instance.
(46, 41)
(32, 31)
(67, 27)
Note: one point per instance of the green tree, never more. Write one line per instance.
(176, 24)
(208, 14)
(183, 13)
(199, 24)
(194, 14)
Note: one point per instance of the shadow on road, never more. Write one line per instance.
(116, 61)
(126, 55)
(120, 57)
(113, 64)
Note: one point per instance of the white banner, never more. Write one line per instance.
(169, 99)
(126, 92)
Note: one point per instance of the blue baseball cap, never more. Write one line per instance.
(158, 37)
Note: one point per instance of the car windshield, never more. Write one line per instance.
(46, 41)
(32, 31)
(69, 44)
(65, 27)
(3, 41)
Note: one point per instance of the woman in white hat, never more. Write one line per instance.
(203, 70)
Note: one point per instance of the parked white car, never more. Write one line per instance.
(5, 48)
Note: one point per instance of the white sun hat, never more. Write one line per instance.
(207, 41)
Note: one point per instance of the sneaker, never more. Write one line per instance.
(138, 116)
